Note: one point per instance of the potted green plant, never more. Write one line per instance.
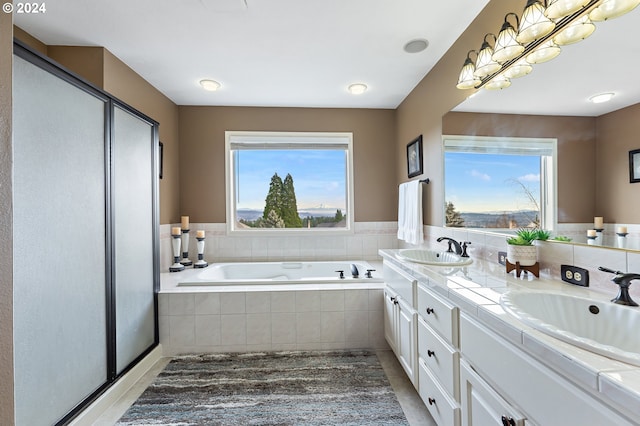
(520, 248)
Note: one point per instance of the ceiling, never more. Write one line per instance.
(297, 53)
(607, 61)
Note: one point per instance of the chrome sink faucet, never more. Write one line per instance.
(624, 281)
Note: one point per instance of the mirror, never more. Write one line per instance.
(593, 176)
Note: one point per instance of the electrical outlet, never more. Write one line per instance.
(502, 258)
(574, 275)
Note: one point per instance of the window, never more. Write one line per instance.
(289, 182)
(500, 183)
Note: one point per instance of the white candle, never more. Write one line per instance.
(621, 230)
(598, 222)
(591, 233)
(185, 222)
(200, 234)
(176, 230)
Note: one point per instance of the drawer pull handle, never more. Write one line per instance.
(431, 401)
(508, 421)
(429, 311)
(430, 353)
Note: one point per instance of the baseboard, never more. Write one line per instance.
(90, 414)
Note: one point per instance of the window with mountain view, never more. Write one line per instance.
(289, 182)
(503, 183)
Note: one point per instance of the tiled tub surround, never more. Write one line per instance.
(363, 243)
(265, 318)
(476, 290)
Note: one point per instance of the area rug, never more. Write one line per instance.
(275, 388)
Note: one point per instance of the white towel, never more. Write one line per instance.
(410, 212)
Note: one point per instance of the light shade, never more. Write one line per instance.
(534, 24)
(578, 30)
(507, 47)
(498, 82)
(210, 85)
(357, 88)
(467, 80)
(609, 9)
(543, 53)
(519, 69)
(557, 9)
(485, 64)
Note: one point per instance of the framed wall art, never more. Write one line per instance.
(414, 157)
(634, 166)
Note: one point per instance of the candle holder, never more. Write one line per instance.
(185, 248)
(200, 263)
(621, 239)
(591, 240)
(175, 243)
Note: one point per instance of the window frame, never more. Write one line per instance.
(547, 148)
(286, 139)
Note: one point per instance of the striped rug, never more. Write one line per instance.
(276, 388)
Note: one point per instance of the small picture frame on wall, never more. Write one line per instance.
(634, 166)
(414, 157)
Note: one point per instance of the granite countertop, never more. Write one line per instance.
(477, 288)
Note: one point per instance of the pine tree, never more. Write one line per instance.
(453, 217)
(339, 216)
(273, 202)
(273, 220)
(289, 211)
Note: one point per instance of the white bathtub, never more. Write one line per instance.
(258, 273)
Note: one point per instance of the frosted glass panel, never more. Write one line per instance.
(59, 245)
(133, 209)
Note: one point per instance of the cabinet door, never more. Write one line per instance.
(407, 353)
(390, 320)
(481, 405)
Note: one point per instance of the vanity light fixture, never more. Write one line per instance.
(602, 97)
(357, 88)
(485, 64)
(467, 79)
(557, 9)
(544, 27)
(534, 24)
(507, 47)
(210, 85)
(609, 9)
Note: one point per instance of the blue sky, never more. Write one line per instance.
(318, 177)
(485, 182)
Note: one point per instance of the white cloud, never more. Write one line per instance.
(530, 178)
(481, 176)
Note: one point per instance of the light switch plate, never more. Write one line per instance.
(574, 275)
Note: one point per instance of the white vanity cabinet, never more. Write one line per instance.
(438, 356)
(545, 397)
(400, 319)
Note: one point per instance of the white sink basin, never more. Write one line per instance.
(430, 257)
(599, 326)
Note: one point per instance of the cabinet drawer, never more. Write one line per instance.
(439, 314)
(481, 405)
(400, 281)
(439, 357)
(543, 395)
(444, 410)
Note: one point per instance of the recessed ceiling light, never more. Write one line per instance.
(210, 85)
(602, 97)
(357, 88)
(416, 46)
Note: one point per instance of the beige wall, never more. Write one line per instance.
(202, 155)
(576, 148)
(6, 223)
(618, 200)
(100, 67)
(422, 110)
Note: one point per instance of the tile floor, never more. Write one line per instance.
(414, 409)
